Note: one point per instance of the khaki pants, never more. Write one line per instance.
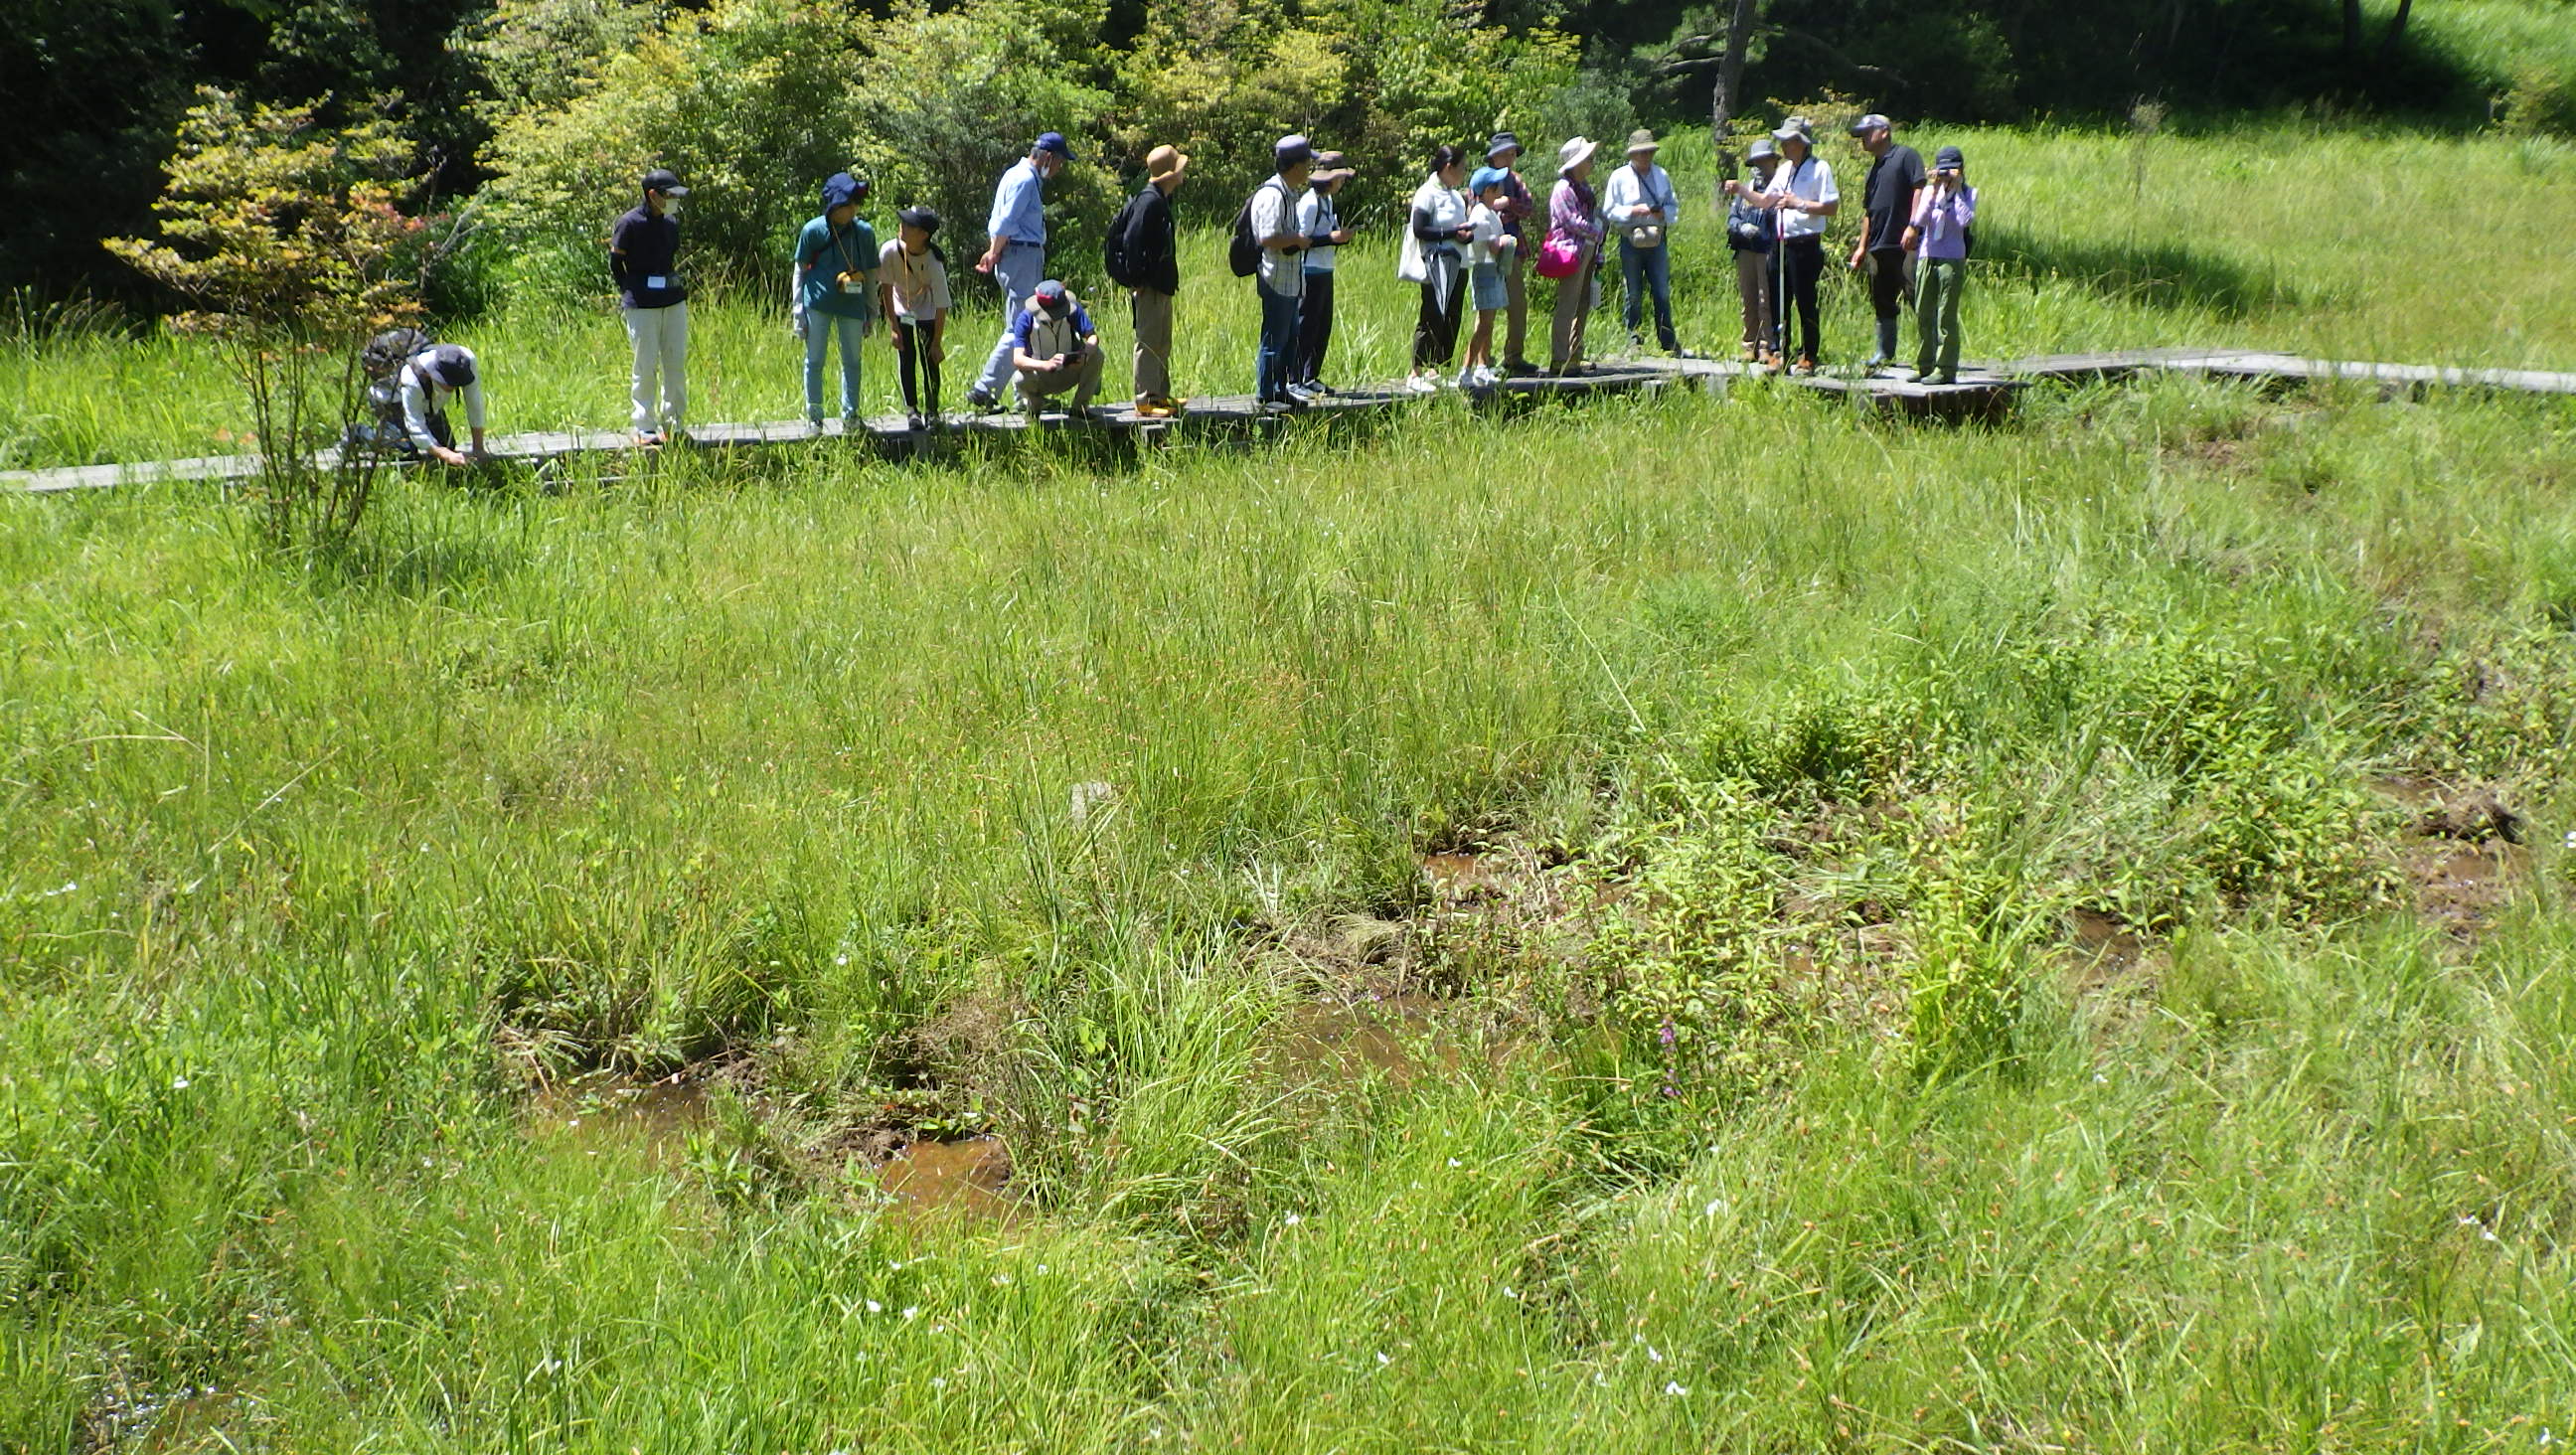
(1516, 310)
(1937, 315)
(1573, 307)
(1083, 379)
(1151, 313)
(1753, 285)
(659, 339)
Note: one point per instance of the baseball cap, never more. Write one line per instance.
(1487, 177)
(1292, 149)
(1052, 141)
(1949, 159)
(920, 217)
(664, 181)
(1054, 297)
(1872, 122)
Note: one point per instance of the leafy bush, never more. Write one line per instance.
(749, 101)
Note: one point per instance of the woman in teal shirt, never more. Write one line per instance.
(836, 271)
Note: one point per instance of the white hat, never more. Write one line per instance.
(1575, 152)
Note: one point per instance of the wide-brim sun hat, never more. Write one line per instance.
(1795, 128)
(841, 189)
(1165, 161)
(1331, 167)
(1761, 150)
(1642, 140)
(1576, 151)
(1503, 141)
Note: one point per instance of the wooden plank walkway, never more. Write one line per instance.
(1984, 390)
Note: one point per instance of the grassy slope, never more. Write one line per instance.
(2326, 240)
(777, 763)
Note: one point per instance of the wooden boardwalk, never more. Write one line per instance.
(1984, 390)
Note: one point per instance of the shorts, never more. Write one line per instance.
(1487, 287)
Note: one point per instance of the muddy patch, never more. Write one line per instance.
(606, 1114)
(2460, 887)
(1399, 1036)
(965, 1179)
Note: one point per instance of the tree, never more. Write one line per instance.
(286, 237)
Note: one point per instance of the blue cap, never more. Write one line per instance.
(1487, 177)
(1054, 297)
(1052, 141)
(841, 189)
(1291, 149)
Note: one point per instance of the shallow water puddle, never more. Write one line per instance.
(1401, 1035)
(605, 1114)
(966, 1179)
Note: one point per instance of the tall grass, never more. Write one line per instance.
(2332, 240)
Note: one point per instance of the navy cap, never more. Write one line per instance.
(1052, 141)
(1949, 159)
(1054, 297)
(920, 217)
(664, 181)
(1293, 148)
(840, 189)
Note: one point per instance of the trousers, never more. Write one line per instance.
(1753, 287)
(1150, 311)
(660, 340)
(1573, 308)
(1802, 264)
(1021, 269)
(914, 345)
(1936, 315)
(1653, 268)
(1277, 353)
(820, 330)
(1314, 329)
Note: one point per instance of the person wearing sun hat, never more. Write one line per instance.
(833, 292)
(1319, 218)
(912, 274)
(1642, 207)
(1054, 347)
(644, 258)
(1016, 255)
(1574, 219)
(1749, 234)
(1802, 191)
(1516, 206)
(1149, 256)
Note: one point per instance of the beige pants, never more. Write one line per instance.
(1753, 284)
(1151, 313)
(1516, 309)
(1083, 379)
(1574, 299)
(659, 340)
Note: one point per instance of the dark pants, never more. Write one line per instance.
(1802, 263)
(912, 351)
(1272, 365)
(1888, 293)
(1314, 329)
(1649, 270)
(1435, 328)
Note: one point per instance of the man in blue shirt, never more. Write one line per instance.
(1016, 257)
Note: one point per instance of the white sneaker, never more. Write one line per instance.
(1488, 379)
(1422, 384)
(1466, 378)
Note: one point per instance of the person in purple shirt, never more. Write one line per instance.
(1573, 214)
(1938, 237)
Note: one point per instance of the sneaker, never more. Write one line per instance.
(1803, 367)
(1422, 384)
(1486, 378)
(1149, 407)
(1521, 369)
(1300, 395)
(913, 422)
(1466, 379)
(646, 439)
(1945, 377)
(982, 403)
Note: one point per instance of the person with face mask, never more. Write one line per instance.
(1016, 256)
(644, 258)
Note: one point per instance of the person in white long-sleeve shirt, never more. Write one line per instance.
(426, 384)
(1642, 207)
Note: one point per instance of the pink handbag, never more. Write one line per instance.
(1559, 256)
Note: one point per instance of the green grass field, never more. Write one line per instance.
(1674, 923)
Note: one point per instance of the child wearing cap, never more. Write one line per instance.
(1054, 347)
(913, 273)
(834, 292)
(1489, 253)
(1938, 235)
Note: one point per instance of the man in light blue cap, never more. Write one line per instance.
(1016, 257)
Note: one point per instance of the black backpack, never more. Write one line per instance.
(1243, 255)
(1114, 262)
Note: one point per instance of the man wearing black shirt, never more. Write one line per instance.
(1895, 177)
(644, 258)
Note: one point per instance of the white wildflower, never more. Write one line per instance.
(1673, 1389)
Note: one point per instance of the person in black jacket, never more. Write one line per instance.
(1153, 259)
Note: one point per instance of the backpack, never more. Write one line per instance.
(1243, 254)
(1114, 262)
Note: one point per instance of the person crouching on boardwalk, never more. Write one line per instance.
(1939, 237)
(1054, 348)
(1321, 222)
(644, 258)
(835, 292)
(1489, 252)
(913, 273)
(1433, 255)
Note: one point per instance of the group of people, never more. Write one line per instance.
(1471, 240)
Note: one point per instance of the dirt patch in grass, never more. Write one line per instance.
(2463, 857)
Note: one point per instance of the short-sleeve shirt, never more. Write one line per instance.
(1316, 217)
(1274, 211)
(651, 245)
(1893, 180)
(823, 254)
(1809, 181)
(919, 283)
